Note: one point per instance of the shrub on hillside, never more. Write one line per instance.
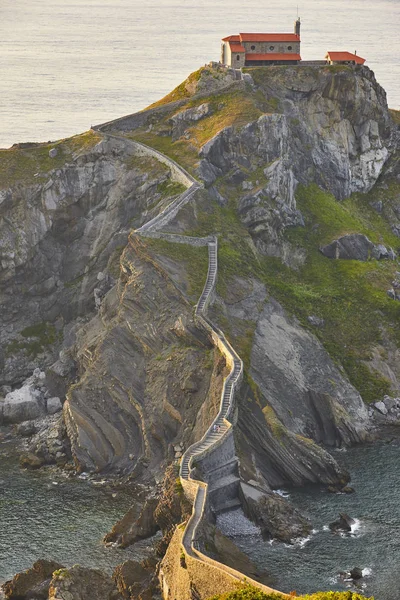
(248, 592)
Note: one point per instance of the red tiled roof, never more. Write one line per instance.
(344, 56)
(231, 38)
(273, 56)
(269, 37)
(236, 47)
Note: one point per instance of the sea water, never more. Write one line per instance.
(67, 65)
(314, 563)
(46, 515)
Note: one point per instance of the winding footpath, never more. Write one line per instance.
(221, 427)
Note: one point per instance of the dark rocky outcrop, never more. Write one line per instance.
(162, 512)
(182, 120)
(79, 583)
(344, 523)
(356, 573)
(32, 583)
(135, 580)
(356, 246)
(58, 232)
(132, 528)
(276, 517)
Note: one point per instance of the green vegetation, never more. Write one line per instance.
(148, 165)
(349, 295)
(229, 108)
(30, 164)
(38, 337)
(178, 486)
(113, 265)
(395, 114)
(244, 339)
(62, 574)
(275, 425)
(181, 151)
(235, 108)
(248, 592)
(337, 68)
(74, 282)
(170, 188)
(194, 258)
(182, 91)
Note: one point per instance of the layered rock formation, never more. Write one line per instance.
(110, 315)
(57, 236)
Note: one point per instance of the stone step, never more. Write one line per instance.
(228, 505)
(221, 482)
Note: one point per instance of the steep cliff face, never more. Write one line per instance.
(317, 337)
(331, 127)
(146, 375)
(258, 144)
(58, 235)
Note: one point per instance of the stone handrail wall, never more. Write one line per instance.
(221, 427)
(179, 173)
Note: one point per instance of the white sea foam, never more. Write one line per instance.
(235, 523)
(282, 493)
(356, 528)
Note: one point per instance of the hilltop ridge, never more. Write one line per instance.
(291, 160)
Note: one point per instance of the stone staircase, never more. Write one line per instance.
(221, 426)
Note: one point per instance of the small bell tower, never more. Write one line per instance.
(297, 25)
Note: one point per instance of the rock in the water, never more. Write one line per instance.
(30, 461)
(79, 583)
(344, 523)
(26, 429)
(274, 515)
(130, 529)
(53, 405)
(20, 405)
(356, 573)
(32, 583)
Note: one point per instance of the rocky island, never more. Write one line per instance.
(271, 203)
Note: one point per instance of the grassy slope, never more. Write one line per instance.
(234, 107)
(20, 165)
(349, 295)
